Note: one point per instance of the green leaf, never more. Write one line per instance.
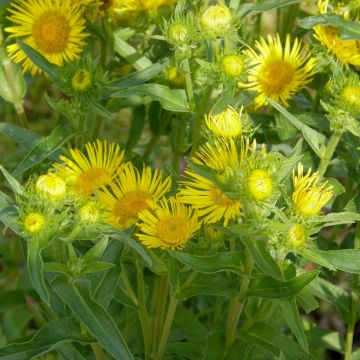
(100, 110)
(139, 62)
(208, 284)
(261, 334)
(8, 213)
(270, 288)
(170, 99)
(96, 251)
(15, 298)
(316, 140)
(35, 267)
(347, 260)
(141, 76)
(17, 188)
(96, 266)
(346, 217)
(51, 335)
(347, 29)
(316, 258)
(136, 128)
(50, 69)
(291, 315)
(265, 5)
(126, 239)
(45, 148)
(95, 317)
(223, 261)
(324, 338)
(263, 259)
(24, 137)
(56, 267)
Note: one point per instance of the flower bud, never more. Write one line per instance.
(81, 80)
(89, 213)
(259, 184)
(51, 187)
(34, 222)
(351, 95)
(178, 34)
(226, 124)
(296, 235)
(232, 65)
(216, 21)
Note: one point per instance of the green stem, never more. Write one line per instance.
(167, 327)
(96, 128)
(161, 290)
(354, 302)
(128, 288)
(237, 304)
(324, 163)
(143, 314)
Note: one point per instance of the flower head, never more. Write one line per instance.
(278, 72)
(169, 226)
(89, 172)
(216, 20)
(226, 124)
(34, 222)
(205, 195)
(296, 235)
(89, 213)
(51, 187)
(309, 196)
(81, 80)
(259, 184)
(347, 51)
(55, 28)
(232, 65)
(132, 193)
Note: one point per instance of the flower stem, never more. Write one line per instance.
(142, 312)
(237, 304)
(167, 327)
(324, 163)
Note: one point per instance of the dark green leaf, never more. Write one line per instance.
(94, 317)
(22, 136)
(265, 5)
(17, 188)
(270, 288)
(45, 148)
(170, 99)
(8, 213)
(222, 261)
(96, 266)
(51, 335)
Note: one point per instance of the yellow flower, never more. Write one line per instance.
(347, 51)
(226, 124)
(296, 235)
(232, 65)
(89, 172)
(278, 72)
(169, 226)
(212, 204)
(259, 184)
(34, 222)
(51, 187)
(89, 213)
(55, 28)
(216, 20)
(309, 196)
(131, 194)
(81, 80)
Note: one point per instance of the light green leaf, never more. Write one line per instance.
(47, 338)
(347, 29)
(95, 318)
(222, 261)
(291, 315)
(96, 266)
(170, 99)
(316, 140)
(45, 148)
(346, 217)
(265, 5)
(96, 251)
(17, 188)
(8, 213)
(270, 288)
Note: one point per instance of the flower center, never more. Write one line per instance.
(34, 222)
(81, 80)
(51, 32)
(219, 197)
(128, 207)
(276, 76)
(92, 179)
(260, 184)
(172, 230)
(310, 201)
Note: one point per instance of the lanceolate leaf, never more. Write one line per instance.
(270, 288)
(8, 213)
(170, 99)
(17, 188)
(264, 5)
(94, 317)
(46, 339)
(23, 137)
(223, 261)
(45, 148)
